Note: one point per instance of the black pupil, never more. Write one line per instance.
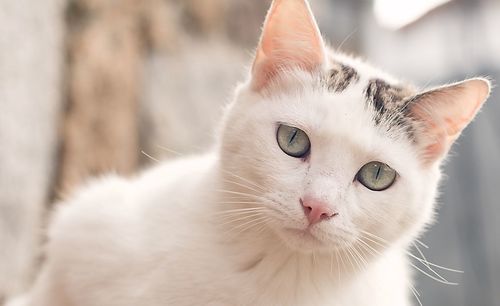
(293, 135)
(377, 175)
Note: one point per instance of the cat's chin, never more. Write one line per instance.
(304, 240)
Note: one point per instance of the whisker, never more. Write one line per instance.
(438, 279)
(337, 254)
(244, 179)
(361, 258)
(347, 38)
(260, 221)
(423, 261)
(416, 294)
(367, 248)
(242, 185)
(261, 228)
(342, 259)
(249, 222)
(236, 193)
(422, 244)
(236, 210)
(169, 150)
(252, 196)
(255, 214)
(421, 254)
(331, 264)
(375, 252)
(238, 202)
(433, 277)
(350, 257)
(149, 156)
(239, 213)
(428, 264)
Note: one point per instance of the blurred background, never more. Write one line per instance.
(92, 86)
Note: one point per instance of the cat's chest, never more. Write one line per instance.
(275, 280)
(282, 280)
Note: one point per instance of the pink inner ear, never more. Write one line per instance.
(290, 39)
(445, 112)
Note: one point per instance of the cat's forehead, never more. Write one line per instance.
(367, 93)
(380, 89)
(351, 100)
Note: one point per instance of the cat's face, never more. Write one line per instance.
(319, 133)
(343, 137)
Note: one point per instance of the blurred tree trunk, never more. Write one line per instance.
(100, 125)
(106, 42)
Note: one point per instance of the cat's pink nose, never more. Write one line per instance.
(316, 210)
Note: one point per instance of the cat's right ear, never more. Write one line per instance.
(444, 112)
(290, 40)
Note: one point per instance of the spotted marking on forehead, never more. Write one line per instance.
(389, 102)
(339, 77)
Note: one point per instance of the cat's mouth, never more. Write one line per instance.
(302, 239)
(303, 233)
(313, 239)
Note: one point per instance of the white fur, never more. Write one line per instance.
(228, 227)
(162, 238)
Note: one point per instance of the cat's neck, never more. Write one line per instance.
(274, 271)
(255, 250)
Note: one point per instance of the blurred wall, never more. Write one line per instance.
(31, 57)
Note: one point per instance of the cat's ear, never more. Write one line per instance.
(290, 39)
(442, 114)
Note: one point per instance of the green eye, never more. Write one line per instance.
(293, 141)
(376, 176)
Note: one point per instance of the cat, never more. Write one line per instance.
(324, 172)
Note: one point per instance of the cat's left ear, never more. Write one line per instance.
(290, 40)
(443, 113)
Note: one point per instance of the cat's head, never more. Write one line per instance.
(329, 152)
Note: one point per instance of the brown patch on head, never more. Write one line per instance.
(386, 97)
(340, 77)
(389, 102)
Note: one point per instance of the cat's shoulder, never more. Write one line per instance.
(93, 200)
(115, 197)
(171, 170)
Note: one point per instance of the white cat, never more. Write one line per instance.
(324, 172)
